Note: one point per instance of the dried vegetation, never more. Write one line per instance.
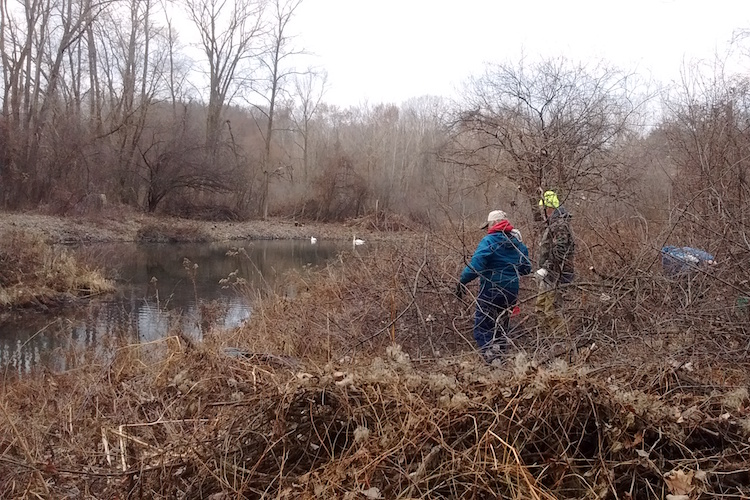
(363, 384)
(32, 273)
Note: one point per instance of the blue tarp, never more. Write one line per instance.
(681, 260)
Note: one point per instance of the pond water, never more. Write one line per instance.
(160, 287)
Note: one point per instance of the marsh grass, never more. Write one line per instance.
(34, 273)
(387, 398)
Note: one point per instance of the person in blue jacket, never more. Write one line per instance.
(499, 261)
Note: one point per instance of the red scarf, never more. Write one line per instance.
(502, 226)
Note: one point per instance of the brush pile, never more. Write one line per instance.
(198, 424)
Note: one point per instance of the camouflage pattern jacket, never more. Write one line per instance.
(557, 247)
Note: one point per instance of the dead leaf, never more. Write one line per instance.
(679, 483)
(372, 493)
(637, 439)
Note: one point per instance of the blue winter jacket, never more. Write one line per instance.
(499, 260)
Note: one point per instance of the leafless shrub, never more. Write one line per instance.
(212, 212)
(362, 304)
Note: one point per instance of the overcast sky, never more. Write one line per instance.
(391, 50)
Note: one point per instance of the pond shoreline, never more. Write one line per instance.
(29, 236)
(156, 293)
(124, 225)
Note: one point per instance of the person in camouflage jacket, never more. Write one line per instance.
(556, 263)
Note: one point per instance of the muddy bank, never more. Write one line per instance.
(113, 225)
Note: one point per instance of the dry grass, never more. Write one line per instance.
(363, 302)
(364, 384)
(34, 273)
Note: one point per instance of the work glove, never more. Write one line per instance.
(459, 292)
(541, 275)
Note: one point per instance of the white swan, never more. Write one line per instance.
(313, 240)
(356, 241)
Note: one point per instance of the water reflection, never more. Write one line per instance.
(161, 288)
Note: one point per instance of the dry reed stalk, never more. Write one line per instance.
(19, 437)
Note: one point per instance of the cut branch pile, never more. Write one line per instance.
(204, 425)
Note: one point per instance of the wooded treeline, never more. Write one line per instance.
(108, 103)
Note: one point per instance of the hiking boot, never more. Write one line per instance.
(498, 363)
(493, 353)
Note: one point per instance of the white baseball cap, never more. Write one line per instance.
(494, 216)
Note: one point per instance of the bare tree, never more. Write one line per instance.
(230, 35)
(554, 124)
(132, 47)
(34, 51)
(177, 74)
(424, 134)
(707, 130)
(172, 163)
(95, 90)
(274, 75)
(309, 89)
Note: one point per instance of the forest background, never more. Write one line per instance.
(102, 105)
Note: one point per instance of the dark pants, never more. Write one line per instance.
(493, 313)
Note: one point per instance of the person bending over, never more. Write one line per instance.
(499, 260)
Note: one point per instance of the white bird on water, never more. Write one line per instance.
(356, 241)
(313, 240)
